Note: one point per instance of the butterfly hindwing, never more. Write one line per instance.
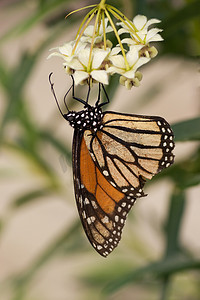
(102, 208)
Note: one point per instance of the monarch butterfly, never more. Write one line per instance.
(113, 155)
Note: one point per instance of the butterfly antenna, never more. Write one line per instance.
(54, 94)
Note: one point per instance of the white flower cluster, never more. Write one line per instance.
(91, 57)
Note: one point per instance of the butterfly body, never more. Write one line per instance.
(89, 118)
(113, 156)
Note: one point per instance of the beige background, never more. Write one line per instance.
(29, 230)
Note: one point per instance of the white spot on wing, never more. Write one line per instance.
(87, 201)
(105, 220)
(105, 173)
(116, 218)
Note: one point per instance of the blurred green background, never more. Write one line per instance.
(44, 254)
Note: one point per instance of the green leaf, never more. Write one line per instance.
(101, 274)
(4, 75)
(188, 130)
(179, 17)
(48, 137)
(174, 222)
(158, 270)
(185, 173)
(37, 16)
(15, 79)
(37, 160)
(172, 232)
(30, 196)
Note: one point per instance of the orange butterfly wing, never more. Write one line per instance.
(130, 149)
(102, 208)
(111, 166)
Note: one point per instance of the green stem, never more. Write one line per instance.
(83, 29)
(92, 43)
(165, 288)
(79, 9)
(118, 38)
(104, 30)
(84, 20)
(102, 4)
(118, 15)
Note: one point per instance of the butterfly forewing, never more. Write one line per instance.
(130, 149)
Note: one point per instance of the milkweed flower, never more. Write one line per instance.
(68, 50)
(130, 76)
(83, 70)
(88, 33)
(138, 30)
(91, 57)
(140, 35)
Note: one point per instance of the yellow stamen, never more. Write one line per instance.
(79, 9)
(104, 30)
(82, 30)
(118, 15)
(92, 42)
(84, 20)
(118, 38)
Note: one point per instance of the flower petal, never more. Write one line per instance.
(99, 56)
(79, 46)
(152, 21)
(89, 30)
(107, 28)
(85, 39)
(100, 76)
(153, 33)
(141, 61)
(139, 21)
(83, 56)
(74, 64)
(132, 56)
(112, 70)
(118, 61)
(54, 54)
(115, 50)
(123, 30)
(80, 76)
(156, 38)
(129, 74)
(66, 49)
(128, 41)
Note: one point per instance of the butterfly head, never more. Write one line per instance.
(89, 118)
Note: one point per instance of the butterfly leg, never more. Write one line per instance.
(66, 96)
(107, 98)
(99, 94)
(88, 94)
(75, 98)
